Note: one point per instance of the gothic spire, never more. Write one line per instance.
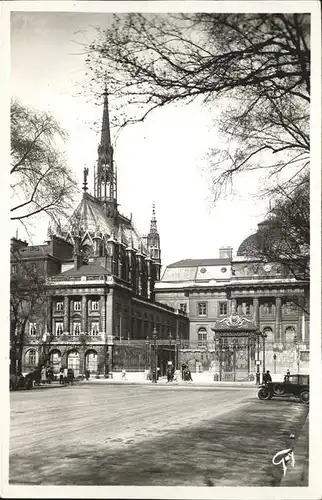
(105, 144)
(153, 224)
(105, 184)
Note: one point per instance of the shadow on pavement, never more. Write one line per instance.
(234, 449)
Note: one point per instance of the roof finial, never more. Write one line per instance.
(153, 225)
(85, 179)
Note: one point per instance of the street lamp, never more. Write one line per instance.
(147, 342)
(154, 337)
(170, 339)
(264, 335)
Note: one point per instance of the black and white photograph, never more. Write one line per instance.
(162, 326)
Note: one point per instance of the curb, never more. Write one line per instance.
(299, 474)
(249, 385)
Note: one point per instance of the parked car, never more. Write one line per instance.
(293, 385)
(20, 382)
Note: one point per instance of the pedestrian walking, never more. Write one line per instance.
(87, 373)
(287, 376)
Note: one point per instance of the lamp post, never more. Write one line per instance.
(154, 337)
(274, 357)
(258, 362)
(147, 342)
(176, 353)
(170, 339)
(264, 336)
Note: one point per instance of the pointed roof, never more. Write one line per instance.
(106, 143)
(90, 217)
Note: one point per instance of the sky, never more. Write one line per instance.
(161, 161)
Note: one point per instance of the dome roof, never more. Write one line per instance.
(247, 247)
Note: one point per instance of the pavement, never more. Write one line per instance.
(172, 436)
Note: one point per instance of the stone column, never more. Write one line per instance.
(84, 327)
(256, 311)
(109, 313)
(278, 319)
(66, 314)
(103, 315)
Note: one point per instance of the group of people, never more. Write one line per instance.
(267, 376)
(66, 376)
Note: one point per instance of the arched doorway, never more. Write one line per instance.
(55, 361)
(73, 362)
(91, 361)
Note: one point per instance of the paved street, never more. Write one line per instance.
(149, 435)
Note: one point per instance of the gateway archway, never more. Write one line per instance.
(235, 340)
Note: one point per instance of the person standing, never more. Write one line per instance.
(61, 376)
(43, 375)
(65, 375)
(267, 377)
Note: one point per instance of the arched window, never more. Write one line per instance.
(290, 334)
(31, 357)
(202, 337)
(91, 361)
(270, 337)
(73, 362)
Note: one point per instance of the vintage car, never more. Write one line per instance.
(293, 385)
(20, 382)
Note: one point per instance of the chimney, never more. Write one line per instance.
(225, 252)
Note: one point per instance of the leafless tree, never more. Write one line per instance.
(40, 178)
(253, 66)
(27, 301)
(284, 237)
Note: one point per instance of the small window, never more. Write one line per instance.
(95, 305)
(202, 308)
(183, 307)
(95, 328)
(59, 306)
(293, 380)
(59, 327)
(76, 328)
(13, 268)
(32, 329)
(222, 308)
(77, 305)
(202, 337)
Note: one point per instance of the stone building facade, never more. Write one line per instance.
(245, 315)
(100, 276)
